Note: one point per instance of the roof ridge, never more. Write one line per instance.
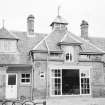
(47, 46)
(42, 41)
(69, 36)
(74, 38)
(26, 32)
(13, 35)
(64, 37)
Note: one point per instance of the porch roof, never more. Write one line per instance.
(17, 67)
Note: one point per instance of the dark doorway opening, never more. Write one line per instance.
(70, 82)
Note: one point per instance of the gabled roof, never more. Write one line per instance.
(5, 34)
(66, 37)
(42, 46)
(26, 43)
(69, 40)
(88, 47)
(52, 40)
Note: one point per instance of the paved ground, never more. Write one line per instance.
(76, 101)
(69, 100)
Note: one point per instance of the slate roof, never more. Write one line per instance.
(99, 42)
(27, 43)
(52, 39)
(68, 39)
(45, 42)
(62, 36)
(5, 34)
(24, 45)
(87, 46)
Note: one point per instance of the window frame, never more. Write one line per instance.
(69, 52)
(80, 71)
(8, 46)
(25, 83)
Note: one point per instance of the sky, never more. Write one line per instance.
(15, 13)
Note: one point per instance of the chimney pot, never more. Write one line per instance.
(30, 24)
(84, 29)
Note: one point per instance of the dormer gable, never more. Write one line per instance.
(8, 41)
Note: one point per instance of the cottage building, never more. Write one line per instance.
(54, 67)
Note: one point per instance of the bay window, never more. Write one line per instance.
(70, 82)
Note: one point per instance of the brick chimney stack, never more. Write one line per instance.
(84, 29)
(30, 25)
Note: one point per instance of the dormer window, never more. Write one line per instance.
(8, 46)
(69, 54)
(8, 41)
(68, 57)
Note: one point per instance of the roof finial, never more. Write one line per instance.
(3, 21)
(59, 10)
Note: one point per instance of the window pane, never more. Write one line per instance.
(88, 91)
(87, 85)
(11, 79)
(59, 73)
(67, 56)
(23, 75)
(85, 88)
(59, 92)
(23, 80)
(56, 82)
(27, 75)
(55, 73)
(70, 57)
(55, 92)
(27, 80)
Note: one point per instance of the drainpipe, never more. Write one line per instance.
(32, 58)
(47, 69)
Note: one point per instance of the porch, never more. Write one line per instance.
(15, 81)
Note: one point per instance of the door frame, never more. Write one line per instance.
(7, 84)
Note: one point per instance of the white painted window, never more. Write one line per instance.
(25, 78)
(69, 54)
(85, 82)
(56, 82)
(8, 45)
(70, 82)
